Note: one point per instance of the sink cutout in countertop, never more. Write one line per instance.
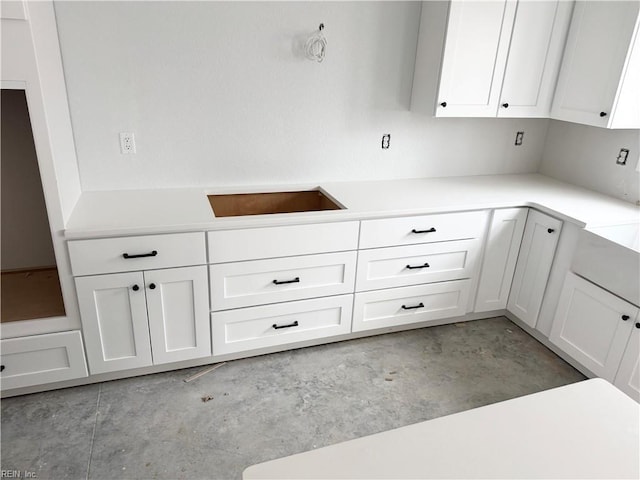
(240, 204)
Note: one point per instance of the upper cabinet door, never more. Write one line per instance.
(537, 41)
(489, 58)
(475, 53)
(600, 65)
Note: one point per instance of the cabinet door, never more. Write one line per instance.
(628, 376)
(114, 321)
(178, 304)
(594, 60)
(592, 325)
(501, 253)
(538, 247)
(475, 53)
(537, 42)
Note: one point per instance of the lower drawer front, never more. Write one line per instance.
(402, 306)
(416, 264)
(42, 359)
(280, 324)
(258, 282)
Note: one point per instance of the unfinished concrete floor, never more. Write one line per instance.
(158, 426)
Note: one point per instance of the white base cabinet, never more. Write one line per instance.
(628, 376)
(40, 359)
(538, 248)
(500, 256)
(593, 326)
(137, 319)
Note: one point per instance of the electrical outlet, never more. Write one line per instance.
(127, 143)
(622, 156)
(386, 141)
(519, 138)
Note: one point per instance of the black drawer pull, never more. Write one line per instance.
(152, 254)
(431, 230)
(637, 324)
(625, 317)
(278, 327)
(282, 282)
(603, 114)
(420, 305)
(550, 230)
(443, 104)
(1, 368)
(135, 288)
(426, 265)
(505, 105)
(152, 286)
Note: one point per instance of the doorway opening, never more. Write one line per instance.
(29, 282)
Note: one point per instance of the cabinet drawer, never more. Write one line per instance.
(402, 306)
(281, 279)
(42, 359)
(416, 264)
(426, 228)
(279, 324)
(287, 241)
(107, 255)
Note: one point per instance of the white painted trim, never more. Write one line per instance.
(37, 326)
(34, 64)
(13, 85)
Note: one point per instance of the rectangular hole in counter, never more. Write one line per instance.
(233, 205)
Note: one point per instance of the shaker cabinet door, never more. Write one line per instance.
(538, 248)
(592, 326)
(178, 304)
(114, 321)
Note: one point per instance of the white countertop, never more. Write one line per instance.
(586, 430)
(130, 212)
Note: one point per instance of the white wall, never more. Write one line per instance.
(216, 95)
(26, 237)
(586, 156)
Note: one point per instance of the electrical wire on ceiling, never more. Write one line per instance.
(316, 45)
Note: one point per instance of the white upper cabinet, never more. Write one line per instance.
(475, 54)
(599, 82)
(489, 58)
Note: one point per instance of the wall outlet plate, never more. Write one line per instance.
(622, 156)
(127, 143)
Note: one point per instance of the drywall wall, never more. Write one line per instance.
(25, 235)
(217, 93)
(586, 156)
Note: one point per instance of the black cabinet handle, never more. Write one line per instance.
(278, 327)
(141, 255)
(426, 265)
(135, 288)
(505, 105)
(637, 324)
(550, 230)
(152, 286)
(1, 368)
(282, 282)
(420, 305)
(625, 317)
(431, 230)
(603, 114)
(443, 104)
